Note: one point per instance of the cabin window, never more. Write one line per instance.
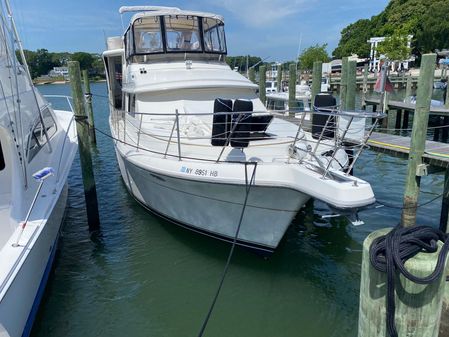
(2, 159)
(131, 104)
(214, 36)
(148, 36)
(182, 33)
(37, 138)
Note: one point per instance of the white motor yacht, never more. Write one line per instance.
(190, 133)
(37, 148)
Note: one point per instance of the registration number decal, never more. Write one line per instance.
(199, 172)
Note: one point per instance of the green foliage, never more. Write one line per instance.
(395, 46)
(426, 20)
(312, 54)
(41, 61)
(85, 59)
(240, 62)
(353, 40)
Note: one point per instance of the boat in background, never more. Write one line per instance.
(37, 148)
(196, 146)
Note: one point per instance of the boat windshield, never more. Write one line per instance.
(175, 33)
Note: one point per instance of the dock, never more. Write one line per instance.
(400, 105)
(436, 153)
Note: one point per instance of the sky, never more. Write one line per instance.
(271, 29)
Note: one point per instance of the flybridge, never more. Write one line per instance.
(171, 30)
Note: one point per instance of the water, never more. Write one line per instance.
(143, 276)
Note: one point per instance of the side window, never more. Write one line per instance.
(214, 37)
(2, 159)
(37, 138)
(132, 104)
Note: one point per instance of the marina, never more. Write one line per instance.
(207, 200)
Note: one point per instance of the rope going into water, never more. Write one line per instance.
(234, 242)
(389, 253)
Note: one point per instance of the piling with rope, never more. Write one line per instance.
(82, 128)
(90, 112)
(391, 300)
(316, 78)
(262, 84)
(292, 86)
(404, 269)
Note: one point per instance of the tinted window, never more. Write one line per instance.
(182, 33)
(2, 159)
(37, 137)
(147, 35)
(214, 36)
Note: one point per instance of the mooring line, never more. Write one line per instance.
(234, 242)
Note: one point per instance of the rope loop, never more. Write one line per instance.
(389, 253)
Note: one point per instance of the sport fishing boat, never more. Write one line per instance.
(37, 148)
(192, 136)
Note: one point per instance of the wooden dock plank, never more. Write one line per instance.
(399, 105)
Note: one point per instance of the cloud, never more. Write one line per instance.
(263, 13)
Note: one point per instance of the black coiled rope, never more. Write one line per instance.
(389, 253)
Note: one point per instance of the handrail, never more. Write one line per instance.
(329, 147)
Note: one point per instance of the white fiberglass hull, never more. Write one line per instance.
(19, 305)
(214, 208)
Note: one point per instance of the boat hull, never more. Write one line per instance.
(214, 208)
(19, 306)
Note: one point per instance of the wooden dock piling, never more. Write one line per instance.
(90, 112)
(343, 82)
(292, 86)
(351, 85)
(408, 89)
(420, 121)
(418, 306)
(279, 78)
(262, 84)
(364, 86)
(252, 75)
(316, 79)
(82, 127)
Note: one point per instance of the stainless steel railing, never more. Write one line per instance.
(340, 131)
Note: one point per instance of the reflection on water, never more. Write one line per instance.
(142, 276)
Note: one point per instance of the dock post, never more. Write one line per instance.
(262, 84)
(364, 86)
(351, 86)
(90, 112)
(252, 74)
(82, 128)
(444, 218)
(343, 82)
(316, 79)
(397, 125)
(292, 86)
(418, 140)
(408, 89)
(279, 78)
(418, 306)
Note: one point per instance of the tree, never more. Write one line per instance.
(426, 20)
(85, 59)
(312, 54)
(395, 47)
(353, 40)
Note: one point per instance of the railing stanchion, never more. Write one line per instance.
(139, 132)
(177, 133)
(169, 139)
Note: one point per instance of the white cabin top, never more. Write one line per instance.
(169, 30)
